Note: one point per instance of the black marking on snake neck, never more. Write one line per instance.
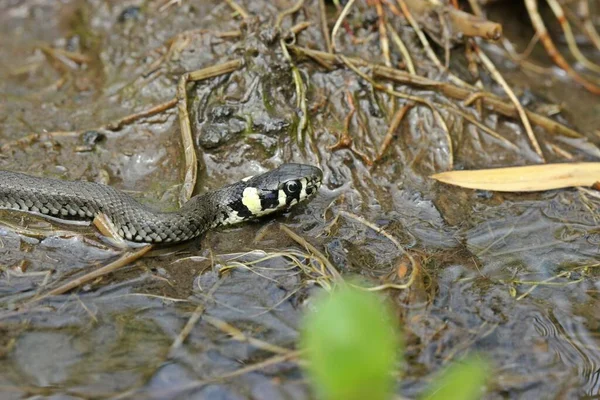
(269, 200)
(250, 198)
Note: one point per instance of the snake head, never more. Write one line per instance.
(276, 190)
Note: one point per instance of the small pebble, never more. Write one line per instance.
(129, 13)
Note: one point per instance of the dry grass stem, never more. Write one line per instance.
(300, 93)
(345, 139)
(545, 282)
(295, 8)
(452, 108)
(425, 43)
(436, 115)
(240, 336)
(490, 100)
(414, 266)
(502, 82)
(215, 70)
(238, 9)
(234, 374)
(402, 49)
(476, 7)
(187, 329)
(383, 37)
(540, 27)
(310, 265)
(300, 26)
(324, 27)
(44, 233)
(389, 136)
(124, 260)
(560, 151)
(335, 275)
(588, 24)
(338, 23)
(570, 38)
(62, 55)
(116, 125)
(189, 151)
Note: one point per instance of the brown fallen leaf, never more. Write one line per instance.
(529, 178)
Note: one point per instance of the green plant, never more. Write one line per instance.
(352, 346)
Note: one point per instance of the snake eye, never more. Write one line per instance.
(292, 187)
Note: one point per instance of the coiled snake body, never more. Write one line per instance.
(252, 197)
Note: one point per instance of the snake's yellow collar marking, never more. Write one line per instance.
(251, 199)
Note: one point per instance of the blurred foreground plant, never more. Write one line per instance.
(352, 346)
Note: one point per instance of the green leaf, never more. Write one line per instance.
(461, 381)
(351, 343)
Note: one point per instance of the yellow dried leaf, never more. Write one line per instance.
(529, 178)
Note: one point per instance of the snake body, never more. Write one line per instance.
(249, 198)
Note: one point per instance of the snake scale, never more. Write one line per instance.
(249, 198)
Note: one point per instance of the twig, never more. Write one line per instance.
(124, 260)
(460, 23)
(345, 140)
(114, 126)
(474, 26)
(389, 136)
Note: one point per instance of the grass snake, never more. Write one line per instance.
(249, 198)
